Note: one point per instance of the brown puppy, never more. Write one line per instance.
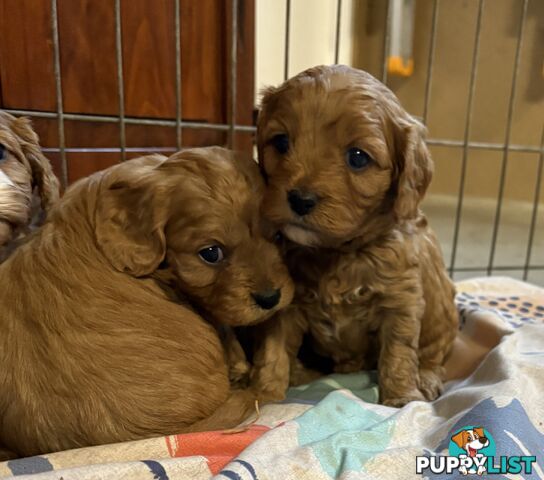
(22, 168)
(93, 348)
(346, 168)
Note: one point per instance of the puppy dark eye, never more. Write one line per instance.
(163, 265)
(278, 237)
(357, 159)
(213, 254)
(281, 143)
(2, 152)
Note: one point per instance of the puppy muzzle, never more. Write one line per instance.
(301, 235)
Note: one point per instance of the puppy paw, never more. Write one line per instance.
(400, 401)
(271, 395)
(430, 384)
(273, 391)
(239, 374)
(271, 385)
(300, 375)
(350, 366)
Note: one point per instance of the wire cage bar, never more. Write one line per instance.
(233, 71)
(232, 127)
(120, 79)
(58, 91)
(532, 227)
(287, 39)
(177, 49)
(468, 123)
(504, 163)
(430, 62)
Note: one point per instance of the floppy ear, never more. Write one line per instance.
(44, 178)
(479, 431)
(42, 173)
(459, 439)
(415, 170)
(266, 94)
(129, 223)
(250, 169)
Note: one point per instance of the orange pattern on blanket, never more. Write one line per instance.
(219, 448)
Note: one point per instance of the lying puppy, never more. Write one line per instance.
(96, 346)
(346, 168)
(23, 168)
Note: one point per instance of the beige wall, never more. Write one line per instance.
(312, 37)
(312, 42)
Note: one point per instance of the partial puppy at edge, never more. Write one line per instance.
(28, 186)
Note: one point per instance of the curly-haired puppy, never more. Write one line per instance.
(346, 168)
(109, 310)
(23, 169)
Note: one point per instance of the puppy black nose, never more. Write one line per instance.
(267, 299)
(483, 440)
(301, 203)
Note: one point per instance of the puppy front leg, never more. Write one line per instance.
(398, 360)
(435, 345)
(270, 373)
(280, 340)
(239, 367)
(361, 356)
(352, 366)
(431, 373)
(299, 374)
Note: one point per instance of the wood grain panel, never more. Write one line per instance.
(202, 138)
(26, 55)
(149, 57)
(47, 131)
(91, 134)
(203, 53)
(81, 165)
(88, 62)
(245, 71)
(150, 136)
(245, 77)
(80, 134)
(89, 72)
(156, 136)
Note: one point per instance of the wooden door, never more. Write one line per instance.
(89, 76)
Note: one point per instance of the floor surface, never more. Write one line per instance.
(476, 232)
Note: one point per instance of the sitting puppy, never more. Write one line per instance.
(346, 168)
(108, 311)
(22, 168)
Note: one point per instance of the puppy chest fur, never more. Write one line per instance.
(347, 297)
(333, 296)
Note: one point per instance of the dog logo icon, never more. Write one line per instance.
(472, 445)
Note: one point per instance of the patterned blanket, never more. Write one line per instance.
(333, 428)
